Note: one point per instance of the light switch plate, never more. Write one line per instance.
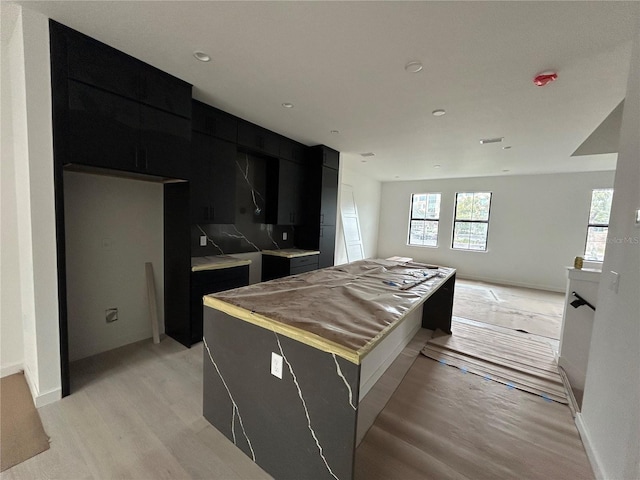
(203, 240)
(284, 235)
(276, 365)
(638, 218)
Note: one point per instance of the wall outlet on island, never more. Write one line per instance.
(203, 240)
(276, 365)
(284, 235)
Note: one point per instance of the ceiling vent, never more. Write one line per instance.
(484, 141)
(368, 154)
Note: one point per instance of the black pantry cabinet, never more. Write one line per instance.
(321, 193)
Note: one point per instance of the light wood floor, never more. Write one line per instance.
(136, 412)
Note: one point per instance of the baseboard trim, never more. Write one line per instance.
(508, 283)
(11, 369)
(41, 399)
(48, 397)
(588, 447)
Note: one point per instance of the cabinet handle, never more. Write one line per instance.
(212, 213)
(321, 218)
(205, 212)
(136, 157)
(321, 232)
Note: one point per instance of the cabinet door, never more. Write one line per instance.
(211, 121)
(327, 246)
(290, 150)
(222, 167)
(258, 138)
(164, 144)
(213, 186)
(200, 199)
(100, 65)
(290, 192)
(103, 128)
(329, 196)
(330, 158)
(164, 91)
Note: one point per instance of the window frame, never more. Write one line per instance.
(412, 219)
(455, 220)
(596, 225)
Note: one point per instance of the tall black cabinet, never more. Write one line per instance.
(321, 187)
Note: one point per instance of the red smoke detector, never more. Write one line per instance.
(544, 78)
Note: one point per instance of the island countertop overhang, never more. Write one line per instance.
(344, 310)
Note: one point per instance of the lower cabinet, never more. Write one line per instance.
(210, 281)
(276, 267)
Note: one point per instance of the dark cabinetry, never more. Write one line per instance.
(116, 112)
(213, 187)
(321, 189)
(214, 122)
(203, 283)
(258, 139)
(293, 151)
(285, 192)
(276, 267)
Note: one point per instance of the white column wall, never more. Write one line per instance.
(610, 417)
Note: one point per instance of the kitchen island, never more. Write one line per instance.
(286, 362)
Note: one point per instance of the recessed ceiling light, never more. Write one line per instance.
(368, 154)
(506, 147)
(203, 57)
(363, 161)
(506, 170)
(397, 176)
(413, 67)
(484, 141)
(437, 165)
(335, 132)
(438, 113)
(287, 105)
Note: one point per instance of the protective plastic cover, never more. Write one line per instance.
(344, 310)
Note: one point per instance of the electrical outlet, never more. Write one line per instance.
(203, 240)
(614, 281)
(284, 235)
(111, 315)
(276, 365)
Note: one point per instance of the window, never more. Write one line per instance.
(598, 224)
(425, 215)
(471, 221)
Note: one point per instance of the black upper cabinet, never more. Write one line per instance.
(213, 187)
(94, 63)
(330, 157)
(285, 193)
(116, 112)
(103, 128)
(258, 139)
(166, 92)
(109, 131)
(97, 64)
(164, 144)
(291, 150)
(327, 246)
(214, 122)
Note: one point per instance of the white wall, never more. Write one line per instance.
(610, 418)
(113, 226)
(537, 225)
(366, 193)
(11, 341)
(31, 128)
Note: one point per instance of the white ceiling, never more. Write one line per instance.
(342, 65)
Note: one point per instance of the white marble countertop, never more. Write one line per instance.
(290, 252)
(217, 262)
